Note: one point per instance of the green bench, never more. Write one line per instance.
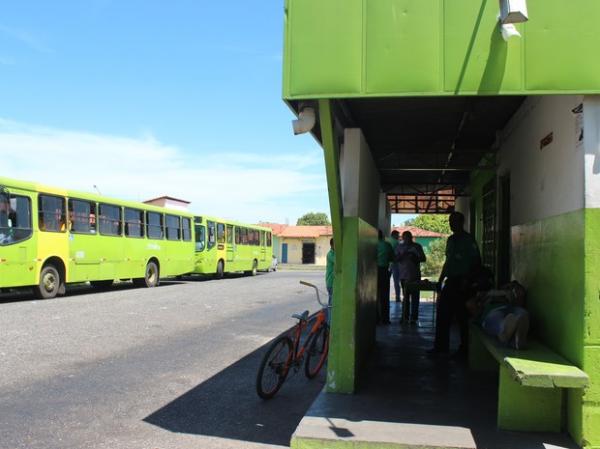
(530, 391)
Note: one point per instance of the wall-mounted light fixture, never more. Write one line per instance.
(513, 11)
(305, 122)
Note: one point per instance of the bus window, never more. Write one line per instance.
(154, 222)
(173, 227)
(83, 217)
(52, 213)
(109, 220)
(269, 239)
(15, 219)
(200, 237)
(211, 234)
(186, 229)
(134, 223)
(262, 238)
(220, 233)
(230, 234)
(237, 235)
(244, 236)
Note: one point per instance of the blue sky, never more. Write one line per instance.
(144, 98)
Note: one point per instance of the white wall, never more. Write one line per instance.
(591, 125)
(548, 181)
(359, 178)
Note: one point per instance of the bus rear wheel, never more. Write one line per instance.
(220, 270)
(50, 283)
(151, 278)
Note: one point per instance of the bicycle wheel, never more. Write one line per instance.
(274, 367)
(317, 352)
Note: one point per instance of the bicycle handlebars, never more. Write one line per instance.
(308, 284)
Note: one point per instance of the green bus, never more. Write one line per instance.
(224, 246)
(50, 237)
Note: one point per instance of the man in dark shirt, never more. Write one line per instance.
(462, 261)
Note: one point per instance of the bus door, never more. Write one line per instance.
(263, 246)
(230, 244)
(16, 246)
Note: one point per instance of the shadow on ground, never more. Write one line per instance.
(423, 395)
(227, 406)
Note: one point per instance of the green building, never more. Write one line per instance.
(429, 105)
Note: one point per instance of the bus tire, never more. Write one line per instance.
(50, 283)
(151, 277)
(220, 270)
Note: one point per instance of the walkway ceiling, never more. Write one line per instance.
(426, 148)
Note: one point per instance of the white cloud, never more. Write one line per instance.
(237, 185)
(27, 38)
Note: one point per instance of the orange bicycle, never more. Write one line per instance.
(288, 351)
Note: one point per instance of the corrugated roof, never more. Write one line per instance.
(417, 232)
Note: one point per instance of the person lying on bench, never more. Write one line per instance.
(502, 314)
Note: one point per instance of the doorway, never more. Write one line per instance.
(308, 253)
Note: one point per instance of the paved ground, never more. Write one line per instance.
(412, 400)
(171, 367)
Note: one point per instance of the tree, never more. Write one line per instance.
(313, 219)
(436, 255)
(435, 223)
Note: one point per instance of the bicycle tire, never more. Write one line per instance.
(274, 363)
(318, 349)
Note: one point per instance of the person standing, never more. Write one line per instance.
(385, 256)
(410, 255)
(329, 271)
(395, 241)
(462, 262)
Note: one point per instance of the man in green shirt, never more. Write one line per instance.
(385, 255)
(462, 262)
(329, 271)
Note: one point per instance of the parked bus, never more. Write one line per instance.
(224, 246)
(50, 237)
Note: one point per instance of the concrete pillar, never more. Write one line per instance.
(354, 314)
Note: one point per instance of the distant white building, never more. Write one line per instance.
(169, 202)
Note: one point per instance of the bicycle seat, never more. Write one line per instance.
(302, 317)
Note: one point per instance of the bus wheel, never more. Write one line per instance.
(50, 283)
(151, 279)
(220, 270)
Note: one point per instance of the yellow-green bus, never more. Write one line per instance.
(224, 246)
(50, 237)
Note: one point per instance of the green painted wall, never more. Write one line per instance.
(551, 257)
(354, 310)
(590, 412)
(357, 48)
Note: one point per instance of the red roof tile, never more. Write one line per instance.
(417, 232)
(286, 231)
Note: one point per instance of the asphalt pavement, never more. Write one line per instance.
(164, 368)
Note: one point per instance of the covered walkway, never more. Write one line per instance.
(411, 400)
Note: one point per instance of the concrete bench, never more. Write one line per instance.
(530, 391)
